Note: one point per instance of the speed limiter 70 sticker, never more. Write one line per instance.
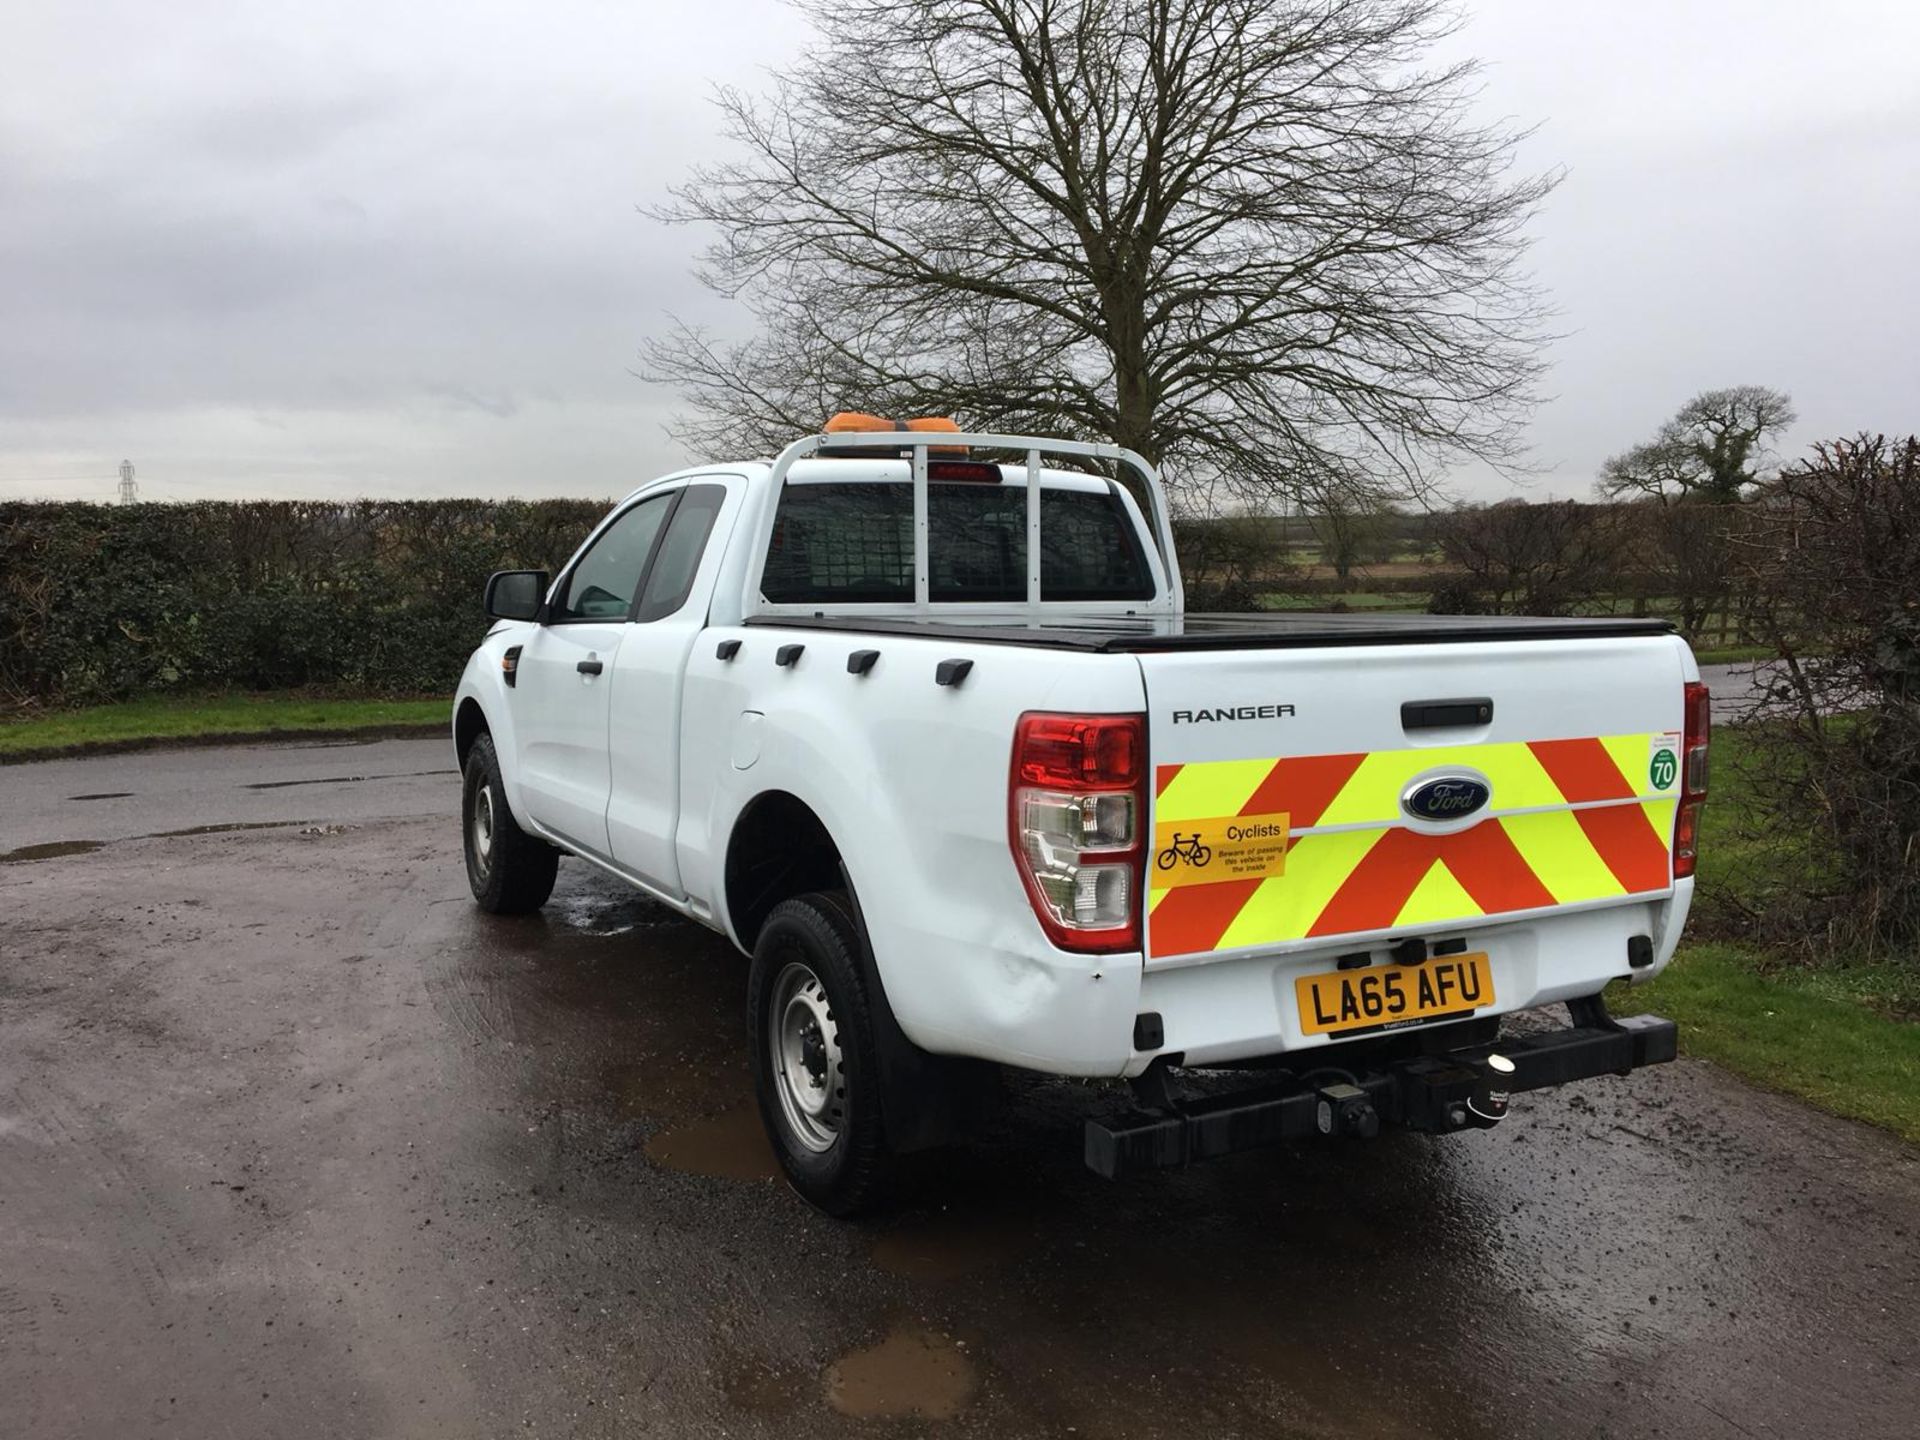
(1663, 760)
(1227, 847)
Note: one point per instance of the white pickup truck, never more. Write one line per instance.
(931, 738)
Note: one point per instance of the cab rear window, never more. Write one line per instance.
(853, 542)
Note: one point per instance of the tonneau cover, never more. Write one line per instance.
(1268, 630)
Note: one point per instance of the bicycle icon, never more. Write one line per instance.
(1188, 849)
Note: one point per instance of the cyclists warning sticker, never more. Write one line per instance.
(1232, 847)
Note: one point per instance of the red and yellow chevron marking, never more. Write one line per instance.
(1569, 821)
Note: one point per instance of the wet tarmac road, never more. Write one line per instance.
(155, 792)
(294, 1141)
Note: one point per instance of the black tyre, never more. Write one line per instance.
(816, 1070)
(511, 872)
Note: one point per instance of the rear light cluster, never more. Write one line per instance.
(1077, 805)
(1693, 777)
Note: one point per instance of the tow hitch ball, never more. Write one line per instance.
(1487, 1105)
(1348, 1111)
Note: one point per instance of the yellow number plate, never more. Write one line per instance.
(1387, 995)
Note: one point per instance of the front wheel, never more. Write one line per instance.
(815, 1068)
(510, 871)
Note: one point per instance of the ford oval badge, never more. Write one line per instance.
(1446, 797)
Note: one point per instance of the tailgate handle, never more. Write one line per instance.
(1436, 714)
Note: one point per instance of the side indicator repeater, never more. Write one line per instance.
(510, 665)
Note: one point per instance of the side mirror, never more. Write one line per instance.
(515, 594)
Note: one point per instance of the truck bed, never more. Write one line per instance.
(1269, 630)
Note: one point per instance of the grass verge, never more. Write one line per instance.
(1844, 1035)
(1824, 1035)
(203, 718)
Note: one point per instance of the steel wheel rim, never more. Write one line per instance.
(483, 824)
(804, 1050)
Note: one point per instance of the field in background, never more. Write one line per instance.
(1567, 558)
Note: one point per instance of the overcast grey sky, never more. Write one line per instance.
(392, 249)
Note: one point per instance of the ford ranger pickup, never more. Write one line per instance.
(919, 722)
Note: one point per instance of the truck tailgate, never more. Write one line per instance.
(1308, 796)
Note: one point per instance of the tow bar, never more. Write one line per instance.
(1456, 1090)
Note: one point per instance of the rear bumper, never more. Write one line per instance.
(1241, 1006)
(1437, 1093)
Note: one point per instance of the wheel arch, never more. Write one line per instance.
(778, 847)
(469, 724)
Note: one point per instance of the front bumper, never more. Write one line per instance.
(1436, 1093)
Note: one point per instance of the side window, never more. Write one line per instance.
(602, 585)
(671, 579)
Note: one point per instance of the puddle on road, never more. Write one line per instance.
(910, 1372)
(729, 1146)
(632, 1026)
(52, 850)
(344, 779)
(222, 829)
(946, 1246)
(609, 912)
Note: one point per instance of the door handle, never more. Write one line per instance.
(1439, 714)
(589, 667)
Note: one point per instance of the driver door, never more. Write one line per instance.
(565, 678)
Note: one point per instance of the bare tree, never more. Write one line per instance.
(1522, 558)
(1832, 551)
(1352, 530)
(1231, 562)
(1262, 239)
(1679, 557)
(1710, 450)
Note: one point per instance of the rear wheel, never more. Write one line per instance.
(815, 1068)
(510, 871)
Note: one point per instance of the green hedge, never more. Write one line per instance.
(381, 596)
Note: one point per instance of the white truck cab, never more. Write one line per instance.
(931, 738)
